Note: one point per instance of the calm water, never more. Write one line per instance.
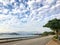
(14, 36)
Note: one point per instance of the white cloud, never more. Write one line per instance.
(4, 2)
(17, 18)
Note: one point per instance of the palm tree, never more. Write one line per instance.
(54, 24)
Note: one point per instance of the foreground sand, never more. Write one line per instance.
(53, 42)
(36, 41)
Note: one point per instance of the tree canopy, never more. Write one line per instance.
(53, 24)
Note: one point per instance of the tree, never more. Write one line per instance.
(54, 24)
(45, 33)
(48, 33)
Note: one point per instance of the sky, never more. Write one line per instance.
(27, 15)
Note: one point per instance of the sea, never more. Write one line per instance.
(16, 36)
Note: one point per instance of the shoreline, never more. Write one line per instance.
(6, 40)
(34, 41)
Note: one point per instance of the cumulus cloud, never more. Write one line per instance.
(27, 14)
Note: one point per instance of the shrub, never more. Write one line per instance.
(55, 37)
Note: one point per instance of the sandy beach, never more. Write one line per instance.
(35, 41)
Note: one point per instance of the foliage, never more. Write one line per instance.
(47, 33)
(55, 37)
(54, 24)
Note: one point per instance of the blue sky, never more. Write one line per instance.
(27, 15)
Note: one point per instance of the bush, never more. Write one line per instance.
(45, 33)
(48, 33)
(55, 37)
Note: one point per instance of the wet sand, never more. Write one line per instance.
(36, 41)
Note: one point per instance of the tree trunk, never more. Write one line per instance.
(57, 33)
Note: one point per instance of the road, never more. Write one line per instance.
(36, 41)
